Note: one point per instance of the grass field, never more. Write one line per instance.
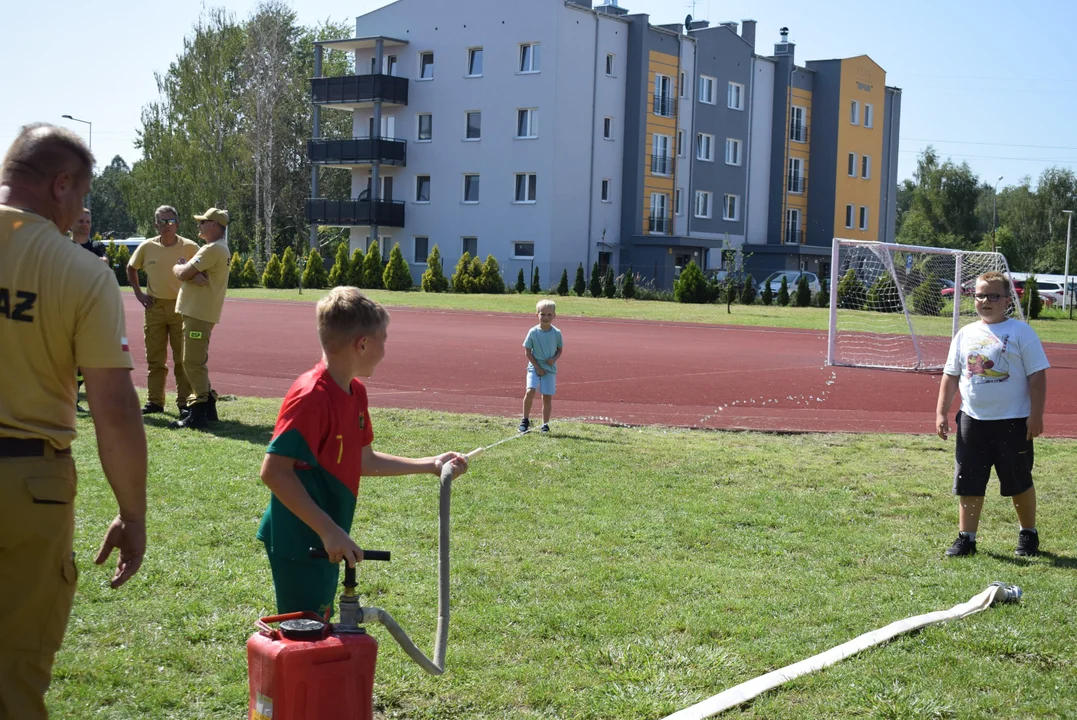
(1052, 326)
(598, 573)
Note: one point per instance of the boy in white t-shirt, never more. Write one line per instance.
(1001, 370)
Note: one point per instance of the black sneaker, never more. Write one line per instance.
(79, 408)
(1028, 543)
(151, 408)
(545, 428)
(525, 425)
(962, 546)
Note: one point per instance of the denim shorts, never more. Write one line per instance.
(546, 384)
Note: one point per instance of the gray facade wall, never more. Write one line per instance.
(823, 166)
(635, 127)
(888, 181)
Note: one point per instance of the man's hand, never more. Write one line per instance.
(1035, 427)
(942, 425)
(340, 546)
(146, 300)
(458, 460)
(129, 537)
(200, 278)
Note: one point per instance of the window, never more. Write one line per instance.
(705, 146)
(470, 246)
(852, 164)
(663, 95)
(661, 162)
(865, 167)
(678, 204)
(607, 128)
(523, 250)
(850, 214)
(735, 96)
(471, 188)
(605, 190)
(474, 62)
(863, 218)
(869, 115)
(422, 188)
(795, 182)
(732, 151)
(526, 187)
(798, 130)
(422, 249)
(680, 144)
(684, 88)
(704, 201)
(609, 64)
(706, 89)
(473, 130)
(854, 112)
(659, 220)
(792, 226)
(426, 127)
(426, 66)
(529, 58)
(731, 207)
(390, 65)
(526, 123)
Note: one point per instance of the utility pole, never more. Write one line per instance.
(994, 204)
(1067, 296)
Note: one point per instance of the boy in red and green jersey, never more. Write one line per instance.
(321, 447)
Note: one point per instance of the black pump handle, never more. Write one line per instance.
(382, 555)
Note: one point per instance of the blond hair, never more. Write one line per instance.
(43, 151)
(545, 303)
(346, 314)
(996, 276)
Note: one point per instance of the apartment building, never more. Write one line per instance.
(553, 134)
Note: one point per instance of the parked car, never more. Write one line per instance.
(720, 276)
(1047, 298)
(792, 277)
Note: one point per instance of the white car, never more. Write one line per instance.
(1053, 291)
(792, 277)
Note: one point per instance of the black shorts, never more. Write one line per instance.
(1002, 444)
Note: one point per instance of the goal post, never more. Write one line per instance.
(897, 306)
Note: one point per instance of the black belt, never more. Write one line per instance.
(26, 447)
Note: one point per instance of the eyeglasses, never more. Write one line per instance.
(989, 297)
(168, 221)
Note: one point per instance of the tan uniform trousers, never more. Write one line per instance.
(195, 357)
(37, 576)
(164, 327)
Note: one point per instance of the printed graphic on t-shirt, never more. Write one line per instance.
(987, 361)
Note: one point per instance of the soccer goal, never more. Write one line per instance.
(897, 306)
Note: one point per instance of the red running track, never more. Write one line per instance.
(614, 371)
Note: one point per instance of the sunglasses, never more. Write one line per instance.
(989, 297)
(168, 221)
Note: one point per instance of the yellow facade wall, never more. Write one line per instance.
(863, 81)
(660, 64)
(798, 201)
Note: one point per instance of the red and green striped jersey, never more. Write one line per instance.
(324, 429)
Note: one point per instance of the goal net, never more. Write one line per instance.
(897, 306)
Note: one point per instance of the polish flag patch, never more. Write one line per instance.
(124, 346)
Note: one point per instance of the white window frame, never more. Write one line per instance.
(678, 202)
(705, 140)
(471, 51)
(478, 189)
(854, 113)
(463, 245)
(532, 123)
(850, 216)
(681, 150)
(661, 80)
(864, 213)
(419, 127)
(415, 249)
(792, 212)
(865, 167)
(739, 88)
(869, 115)
(607, 128)
(514, 256)
(423, 65)
(851, 166)
(704, 205)
(467, 125)
(604, 192)
(735, 217)
(611, 65)
(660, 142)
(798, 164)
(660, 201)
(530, 188)
(534, 57)
(707, 84)
(390, 65)
(737, 147)
(802, 111)
(429, 190)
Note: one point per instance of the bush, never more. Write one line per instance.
(768, 295)
(536, 285)
(562, 287)
(628, 289)
(434, 279)
(926, 299)
(397, 274)
(822, 298)
(580, 286)
(271, 275)
(289, 272)
(747, 291)
(595, 286)
(1030, 300)
(783, 292)
(690, 287)
(802, 297)
(462, 282)
(609, 286)
(340, 273)
(250, 274)
(489, 279)
(882, 295)
(520, 284)
(235, 271)
(355, 269)
(372, 267)
(314, 274)
(850, 291)
(118, 261)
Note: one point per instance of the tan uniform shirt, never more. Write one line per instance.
(205, 302)
(157, 261)
(60, 308)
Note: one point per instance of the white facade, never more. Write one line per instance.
(759, 149)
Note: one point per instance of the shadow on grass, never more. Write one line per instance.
(255, 434)
(555, 434)
(1058, 561)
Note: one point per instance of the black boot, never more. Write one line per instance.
(197, 418)
(211, 412)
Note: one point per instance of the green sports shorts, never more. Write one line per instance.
(304, 584)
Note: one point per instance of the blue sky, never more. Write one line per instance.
(985, 81)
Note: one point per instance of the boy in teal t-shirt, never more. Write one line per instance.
(543, 347)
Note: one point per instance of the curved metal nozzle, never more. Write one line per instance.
(1006, 593)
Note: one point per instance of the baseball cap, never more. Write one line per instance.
(217, 216)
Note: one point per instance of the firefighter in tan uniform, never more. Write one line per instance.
(60, 308)
(163, 325)
(204, 281)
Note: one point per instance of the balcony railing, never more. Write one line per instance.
(386, 213)
(658, 224)
(792, 235)
(665, 105)
(662, 164)
(796, 184)
(359, 90)
(358, 151)
(798, 132)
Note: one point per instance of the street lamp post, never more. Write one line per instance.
(68, 117)
(994, 205)
(1067, 297)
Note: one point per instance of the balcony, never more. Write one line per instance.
(665, 105)
(796, 184)
(798, 132)
(352, 92)
(661, 164)
(362, 213)
(658, 224)
(358, 152)
(792, 235)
